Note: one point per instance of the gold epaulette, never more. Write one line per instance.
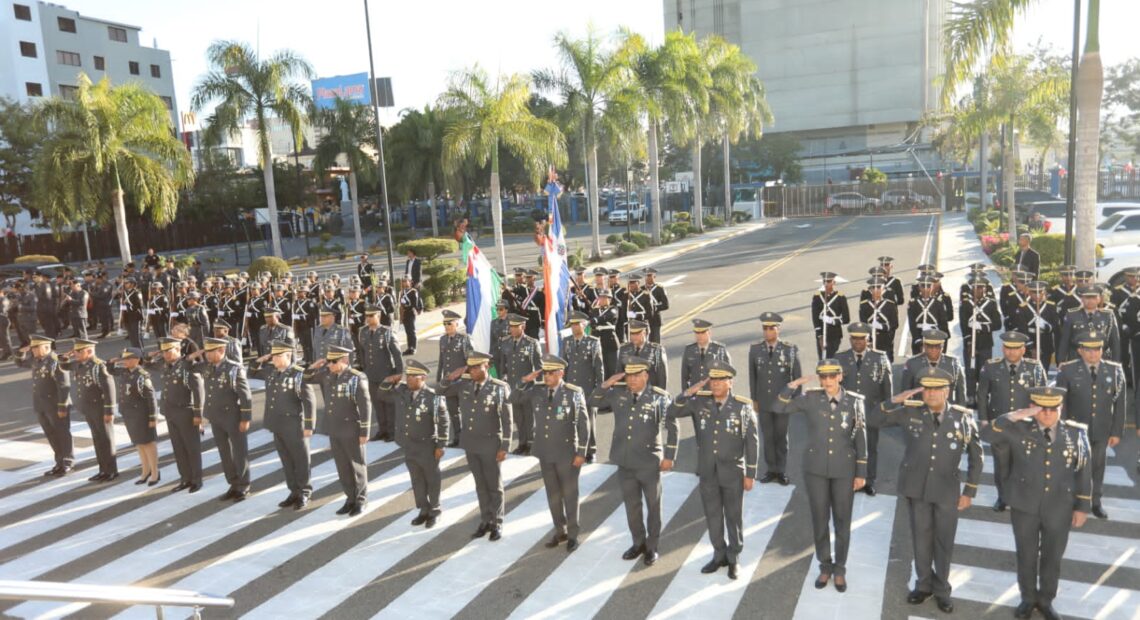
(743, 399)
(1074, 424)
(660, 391)
(813, 389)
(1111, 363)
(1070, 362)
(571, 387)
(996, 360)
(961, 408)
(493, 380)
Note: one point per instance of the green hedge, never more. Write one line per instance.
(272, 264)
(614, 238)
(712, 221)
(439, 266)
(626, 247)
(428, 249)
(641, 239)
(35, 258)
(1051, 247)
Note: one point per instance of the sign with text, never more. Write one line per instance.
(352, 88)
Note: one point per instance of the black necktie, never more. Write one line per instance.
(549, 396)
(1048, 436)
(858, 363)
(702, 354)
(834, 404)
(1092, 371)
(937, 419)
(1012, 369)
(771, 350)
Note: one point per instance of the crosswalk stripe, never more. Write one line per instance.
(582, 583)
(872, 523)
(25, 450)
(1118, 508)
(35, 469)
(470, 569)
(228, 519)
(1082, 547)
(693, 595)
(91, 539)
(1074, 598)
(326, 587)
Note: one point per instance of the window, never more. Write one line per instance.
(1130, 223)
(67, 58)
(23, 13)
(34, 90)
(134, 67)
(168, 102)
(68, 92)
(155, 71)
(117, 34)
(100, 63)
(1110, 222)
(66, 24)
(27, 49)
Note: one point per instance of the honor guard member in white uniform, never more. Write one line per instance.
(835, 462)
(934, 356)
(561, 430)
(1004, 385)
(95, 400)
(348, 409)
(728, 450)
(1089, 317)
(882, 315)
(421, 420)
(1051, 494)
(1037, 318)
(1096, 397)
(924, 312)
(51, 399)
(485, 413)
(181, 404)
(867, 372)
(829, 313)
(290, 414)
(772, 364)
(229, 408)
(454, 347)
(519, 355)
(639, 346)
(936, 433)
(639, 411)
(584, 368)
(660, 301)
(700, 354)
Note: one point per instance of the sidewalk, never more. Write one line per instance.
(958, 248)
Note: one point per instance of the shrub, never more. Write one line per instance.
(712, 221)
(640, 239)
(326, 237)
(666, 235)
(438, 266)
(1051, 247)
(446, 285)
(336, 248)
(740, 217)
(429, 249)
(319, 251)
(35, 258)
(577, 259)
(1003, 256)
(626, 247)
(429, 301)
(682, 216)
(679, 229)
(275, 266)
(614, 238)
(992, 243)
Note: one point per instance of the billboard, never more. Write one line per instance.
(353, 88)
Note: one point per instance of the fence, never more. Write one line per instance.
(896, 196)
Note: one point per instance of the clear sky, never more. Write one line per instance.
(418, 42)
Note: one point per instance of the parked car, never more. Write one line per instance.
(634, 213)
(9, 274)
(1026, 196)
(1119, 229)
(1049, 214)
(851, 203)
(1113, 261)
(906, 198)
(1105, 209)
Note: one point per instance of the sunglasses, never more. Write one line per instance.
(830, 375)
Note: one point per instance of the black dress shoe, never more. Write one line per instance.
(571, 545)
(496, 533)
(111, 476)
(228, 495)
(650, 558)
(869, 489)
(525, 449)
(194, 488)
(945, 605)
(1099, 512)
(430, 523)
(63, 471)
(999, 505)
(356, 510)
(54, 471)
(517, 451)
(553, 542)
(633, 552)
(1024, 610)
(840, 583)
(140, 481)
(480, 531)
(288, 501)
(154, 482)
(343, 510)
(454, 443)
(301, 503)
(732, 569)
(768, 477)
(1049, 612)
(917, 597)
(589, 458)
(389, 439)
(180, 486)
(420, 519)
(239, 496)
(712, 567)
(821, 581)
(784, 480)
(99, 477)
(376, 437)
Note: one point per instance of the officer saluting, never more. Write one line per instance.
(1049, 461)
(700, 354)
(835, 462)
(866, 372)
(584, 368)
(95, 400)
(936, 435)
(561, 432)
(229, 408)
(290, 413)
(181, 404)
(348, 409)
(772, 364)
(934, 356)
(51, 399)
(421, 419)
(728, 451)
(639, 412)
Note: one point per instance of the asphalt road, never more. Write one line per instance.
(730, 284)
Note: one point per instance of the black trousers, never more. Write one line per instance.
(774, 427)
(409, 322)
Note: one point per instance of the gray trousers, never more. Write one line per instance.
(872, 453)
(382, 412)
(830, 501)
(79, 326)
(233, 448)
(1001, 456)
(423, 468)
(293, 450)
(103, 440)
(58, 433)
(1098, 462)
(48, 321)
(561, 481)
(932, 530)
(488, 486)
(351, 468)
(636, 484)
(775, 429)
(25, 327)
(5, 343)
(592, 440)
(186, 443)
(1040, 544)
(524, 421)
(453, 414)
(724, 511)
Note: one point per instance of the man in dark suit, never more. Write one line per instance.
(1027, 259)
(412, 268)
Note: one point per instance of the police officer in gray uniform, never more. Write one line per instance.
(348, 408)
(936, 434)
(867, 372)
(290, 413)
(639, 346)
(181, 404)
(101, 294)
(835, 462)
(421, 430)
(228, 406)
(485, 413)
(1095, 396)
(700, 354)
(379, 355)
(75, 298)
(1051, 494)
(1089, 317)
(1003, 385)
(454, 347)
(934, 356)
(639, 411)
(519, 356)
(95, 400)
(772, 364)
(728, 450)
(272, 331)
(51, 399)
(561, 431)
(197, 318)
(584, 368)
(330, 334)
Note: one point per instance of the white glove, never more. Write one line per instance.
(975, 325)
(926, 326)
(151, 312)
(1041, 323)
(829, 320)
(877, 325)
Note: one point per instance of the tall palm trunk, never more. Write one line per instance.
(595, 233)
(1007, 181)
(727, 185)
(1090, 89)
(698, 215)
(355, 211)
(270, 190)
(654, 184)
(431, 201)
(120, 212)
(497, 209)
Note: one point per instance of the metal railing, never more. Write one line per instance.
(112, 595)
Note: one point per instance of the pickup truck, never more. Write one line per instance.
(634, 213)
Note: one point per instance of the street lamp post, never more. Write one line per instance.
(1069, 178)
(379, 145)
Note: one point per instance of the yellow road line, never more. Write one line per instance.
(752, 278)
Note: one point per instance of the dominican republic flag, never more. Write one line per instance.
(483, 289)
(556, 273)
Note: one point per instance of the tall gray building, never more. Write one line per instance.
(850, 79)
(46, 46)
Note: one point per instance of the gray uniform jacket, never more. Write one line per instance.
(336, 335)
(453, 352)
(695, 365)
(348, 407)
(584, 362)
(561, 425)
(1055, 476)
(930, 467)
(728, 442)
(872, 378)
(1000, 392)
(421, 420)
(770, 369)
(94, 387)
(638, 424)
(290, 403)
(379, 354)
(228, 399)
(658, 362)
(518, 359)
(949, 363)
(182, 388)
(484, 413)
(1077, 321)
(837, 440)
(1101, 406)
(51, 384)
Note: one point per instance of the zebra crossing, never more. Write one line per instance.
(314, 564)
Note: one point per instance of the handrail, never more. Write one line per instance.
(117, 595)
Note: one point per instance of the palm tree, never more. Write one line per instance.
(591, 82)
(482, 117)
(670, 89)
(349, 130)
(415, 149)
(246, 86)
(108, 142)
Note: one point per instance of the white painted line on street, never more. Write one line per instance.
(1082, 547)
(585, 580)
(1118, 509)
(24, 450)
(1074, 598)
